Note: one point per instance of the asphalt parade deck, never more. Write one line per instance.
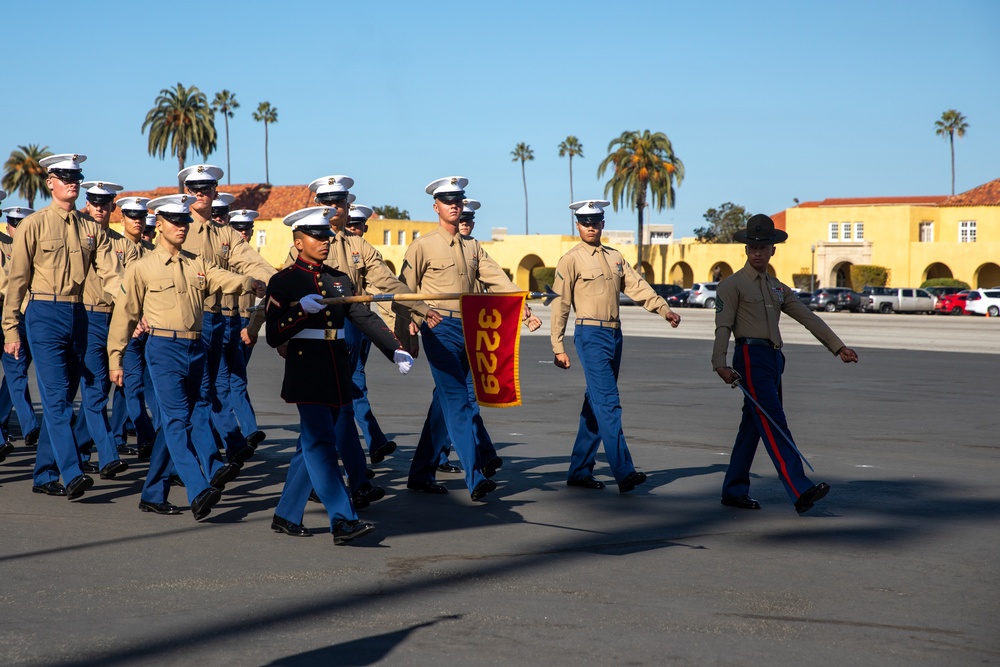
(898, 566)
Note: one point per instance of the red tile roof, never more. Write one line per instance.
(779, 220)
(270, 201)
(987, 194)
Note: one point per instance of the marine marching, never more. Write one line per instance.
(161, 321)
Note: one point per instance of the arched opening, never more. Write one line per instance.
(721, 270)
(524, 279)
(681, 274)
(391, 267)
(937, 270)
(645, 270)
(840, 276)
(987, 275)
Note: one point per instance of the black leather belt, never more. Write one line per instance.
(757, 341)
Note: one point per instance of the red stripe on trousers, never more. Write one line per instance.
(767, 425)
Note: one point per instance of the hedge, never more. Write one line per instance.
(863, 275)
(544, 275)
(944, 282)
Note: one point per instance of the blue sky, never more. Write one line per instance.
(764, 102)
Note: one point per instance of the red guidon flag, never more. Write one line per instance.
(492, 327)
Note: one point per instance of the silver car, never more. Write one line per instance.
(703, 295)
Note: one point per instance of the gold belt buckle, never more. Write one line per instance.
(329, 334)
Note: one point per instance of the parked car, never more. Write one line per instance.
(898, 300)
(804, 297)
(938, 292)
(825, 298)
(983, 302)
(679, 300)
(952, 304)
(850, 300)
(625, 300)
(703, 295)
(666, 291)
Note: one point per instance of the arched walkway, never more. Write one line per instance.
(937, 270)
(987, 275)
(645, 269)
(840, 276)
(720, 270)
(523, 277)
(681, 274)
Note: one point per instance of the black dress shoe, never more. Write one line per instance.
(589, 482)
(109, 471)
(175, 480)
(88, 466)
(224, 475)
(369, 473)
(158, 508)
(383, 451)
(31, 437)
(203, 502)
(449, 468)
(241, 456)
(345, 531)
(5, 449)
(313, 497)
(366, 495)
(491, 466)
(483, 489)
(144, 450)
(126, 449)
(810, 496)
(50, 489)
(130, 432)
(255, 438)
(743, 502)
(280, 525)
(78, 486)
(632, 480)
(427, 487)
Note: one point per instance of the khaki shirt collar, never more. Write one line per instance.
(448, 236)
(163, 254)
(61, 212)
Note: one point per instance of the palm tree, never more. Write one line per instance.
(642, 161)
(22, 173)
(267, 114)
(952, 122)
(523, 153)
(224, 103)
(571, 147)
(180, 120)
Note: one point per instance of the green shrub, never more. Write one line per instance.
(543, 275)
(944, 282)
(804, 281)
(868, 274)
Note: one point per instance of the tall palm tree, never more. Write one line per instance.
(267, 114)
(224, 103)
(571, 147)
(523, 153)
(951, 123)
(180, 119)
(642, 161)
(22, 173)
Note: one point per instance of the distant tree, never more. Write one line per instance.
(391, 212)
(523, 153)
(266, 114)
(951, 123)
(225, 103)
(642, 162)
(723, 222)
(180, 120)
(23, 175)
(569, 148)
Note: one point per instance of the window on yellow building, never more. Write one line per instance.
(859, 231)
(401, 238)
(386, 237)
(261, 238)
(927, 231)
(967, 231)
(834, 231)
(416, 235)
(846, 231)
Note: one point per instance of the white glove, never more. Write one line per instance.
(310, 303)
(403, 359)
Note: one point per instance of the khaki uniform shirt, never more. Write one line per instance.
(748, 304)
(359, 259)
(442, 262)
(224, 247)
(589, 278)
(247, 305)
(169, 291)
(93, 290)
(54, 250)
